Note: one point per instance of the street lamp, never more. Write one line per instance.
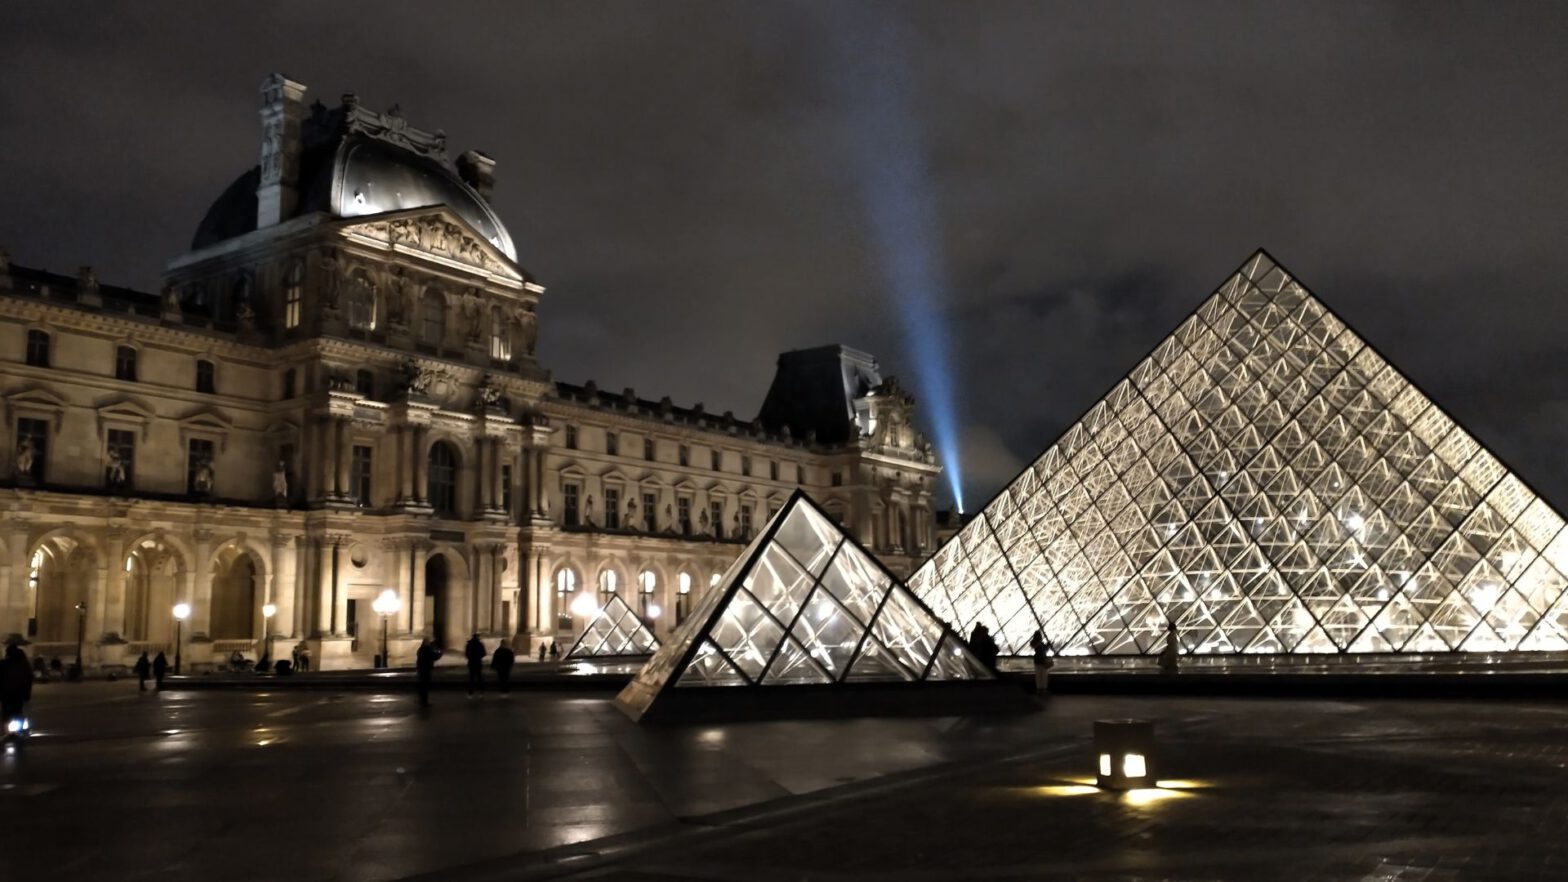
(268, 610)
(81, 632)
(387, 605)
(584, 606)
(182, 611)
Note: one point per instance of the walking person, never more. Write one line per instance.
(425, 668)
(304, 656)
(555, 651)
(475, 653)
(16, 688)
(502, 662)
(1042, 662)
(543, 650)
(143, 669)
(160, 666)
(1170, 658)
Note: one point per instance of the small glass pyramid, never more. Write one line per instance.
(804, 604)
(1267, 483)
(615, 631)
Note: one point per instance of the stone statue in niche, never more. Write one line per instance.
(527, 329)
(631, 515)
(489, 395)
(115, 472)
(702, 521)
(588, 511)
(171, 299)
(26, 457)
(205, 478)
(280, 481)
(473, 319)
(329, 289)
(669, 517)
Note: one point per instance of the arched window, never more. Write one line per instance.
(565, 587)
(293, 294)
(432, 326)
(647, 582)
(500, 340)
(361, 302)
(441, 483)
(608, 582)
(682, 597)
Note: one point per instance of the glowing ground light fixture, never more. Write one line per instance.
(182, 611)
(1125, 754)
(386, 606)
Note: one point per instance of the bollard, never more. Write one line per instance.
(1124, 752)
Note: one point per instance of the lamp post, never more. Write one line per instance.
(81, 633)
(182, 611)
(387, 606)
(268, 610)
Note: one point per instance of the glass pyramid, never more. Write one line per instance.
(1268, 483)
(804, 604)
(616, 630)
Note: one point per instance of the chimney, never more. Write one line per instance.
(282, 117)
(478, 171)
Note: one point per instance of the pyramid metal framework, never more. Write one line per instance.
(1267, 482)
(805, 604)
(615, 631)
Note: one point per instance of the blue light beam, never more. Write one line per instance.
(894, 187)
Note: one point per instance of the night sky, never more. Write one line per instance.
(691, 180)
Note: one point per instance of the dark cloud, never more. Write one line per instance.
(680, 175)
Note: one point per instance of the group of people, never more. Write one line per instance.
(474, 653)
(156, 668)
(985, 648)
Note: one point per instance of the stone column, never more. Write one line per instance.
(496, 598)
(339, 586)
(200, 624)
(416, 609)
(405, 463)
(344, 453)
(421, 465)
(479, 586)
(300, 620)
(111, 618)
(327, 462)
(13, 594)
(525, 605)
(544, 603)
(326, 555)
(481, 484)
(280, 590)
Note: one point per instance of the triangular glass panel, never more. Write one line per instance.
(614, 631)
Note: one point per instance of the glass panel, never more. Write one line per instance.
(828, 632)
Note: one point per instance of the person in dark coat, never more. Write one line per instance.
(1042, 662)
(984, 646)
(543, 651)
(475, 653)
(502, 662)
(160, 666)
(425, 668)
(143, 669)
(555, 651)
(16, 685)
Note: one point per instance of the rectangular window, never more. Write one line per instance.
(650, 511)
(125, 363)
(716, 511)
(293, 300)
(745, 466)
(34, 434)
(569, 516)
(571, 437)
(683, 453)
(500, 340)
(198, 465)
(715, 460)
(838, 478)
(745, 521)
(612, 444)
(612, 508)
(506, 486)
(205, 377)
(120, 457)
(647, 449)
(773, 470)
(683, 513)
(365, 384)
(359, 475)
(288, 384)
(38, 348)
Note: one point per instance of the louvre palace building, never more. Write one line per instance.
(335, 395)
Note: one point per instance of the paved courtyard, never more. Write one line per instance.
(362, 786)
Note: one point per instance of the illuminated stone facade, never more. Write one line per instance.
(336, 393)
(1267, 483)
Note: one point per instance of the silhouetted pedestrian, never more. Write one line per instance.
(304, 656)
(160, 666)
(475, 653)
(16, 686)
(425, 668)
(143, 669)
(1042, 662)
(543, 650)
(1170, 657)
(984, 647)
(502, 662)
(555, 651)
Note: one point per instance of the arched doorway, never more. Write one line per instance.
(437, 601)
(60, 573)
(152, 576)
(234, 605)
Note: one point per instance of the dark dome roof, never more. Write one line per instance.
(352, 176)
